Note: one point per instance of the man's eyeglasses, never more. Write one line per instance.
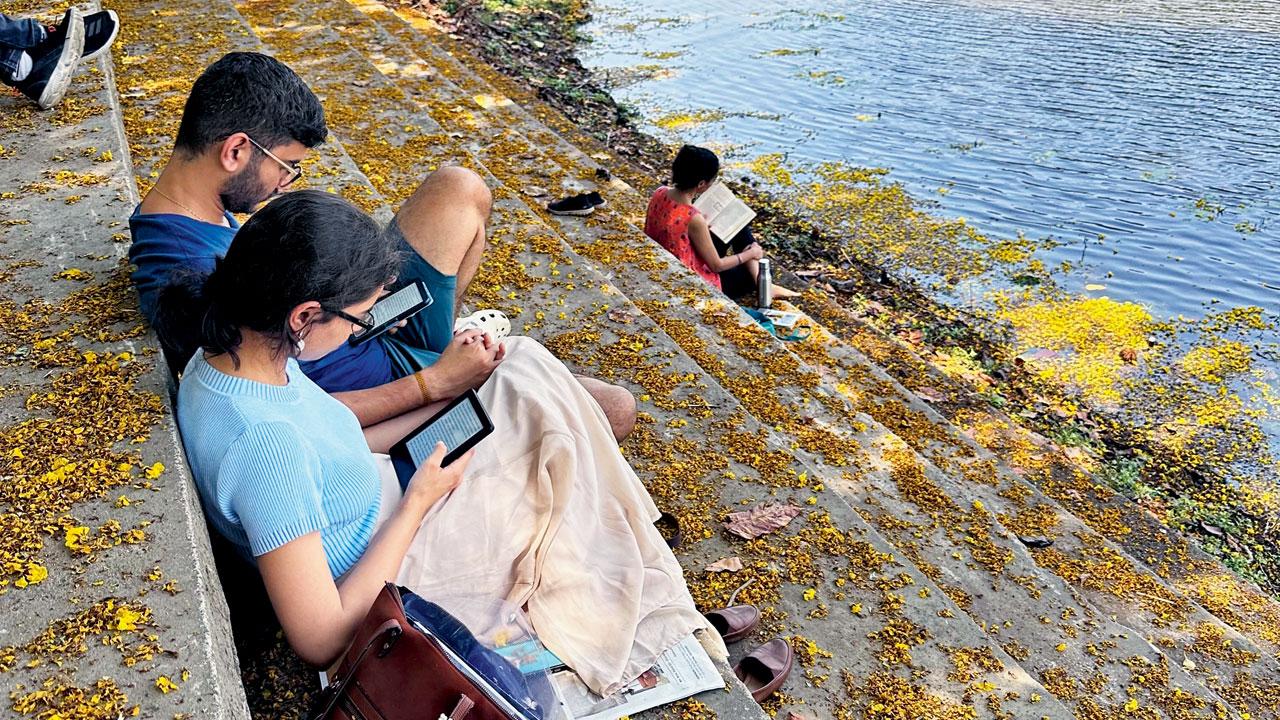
(295, 171)
(364, 324)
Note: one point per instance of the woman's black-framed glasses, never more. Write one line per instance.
(364, 324)
(294, 170)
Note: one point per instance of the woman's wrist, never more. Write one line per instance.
(417, 502)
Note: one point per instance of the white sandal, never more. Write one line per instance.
(493, 322)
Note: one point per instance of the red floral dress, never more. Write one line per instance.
(667, 223)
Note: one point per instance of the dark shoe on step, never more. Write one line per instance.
(577, 205)
(100, 30)
(765, 669)
(669, 527)
(734, 623)
(51, 70)
(55, 35)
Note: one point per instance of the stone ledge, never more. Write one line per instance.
(115, 565)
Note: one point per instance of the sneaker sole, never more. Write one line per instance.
(585, 211)
(60, 80)
(107, 45)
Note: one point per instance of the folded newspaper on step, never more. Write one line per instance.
(680, 672)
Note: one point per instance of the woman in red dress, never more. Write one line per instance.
(674, 223)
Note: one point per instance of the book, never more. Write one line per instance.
(682, 671)
(725, 213)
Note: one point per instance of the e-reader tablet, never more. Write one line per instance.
(460, 425)
(393, 308)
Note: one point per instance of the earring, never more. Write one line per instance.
(300, 344)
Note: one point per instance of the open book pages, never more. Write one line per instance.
(682, 671)
(725, 213)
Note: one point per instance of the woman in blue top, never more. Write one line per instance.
(283, 468)
(550, 518)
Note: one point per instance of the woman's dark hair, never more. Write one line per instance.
(692, 165)
(305, 245)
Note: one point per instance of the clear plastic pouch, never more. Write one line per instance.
(497, 644)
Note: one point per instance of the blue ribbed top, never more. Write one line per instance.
(273, 463)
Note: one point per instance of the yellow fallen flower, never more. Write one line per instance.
(76, 536)
(166, 685)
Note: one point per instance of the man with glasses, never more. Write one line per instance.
(246, 127)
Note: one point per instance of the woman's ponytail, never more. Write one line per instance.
(189, 319)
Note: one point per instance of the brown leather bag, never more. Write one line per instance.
(393, 671)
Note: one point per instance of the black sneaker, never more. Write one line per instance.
(596, 201)
(51, 71)
(576, 205)
(100, 30)
(54, 35)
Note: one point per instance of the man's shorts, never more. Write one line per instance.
(419, 343)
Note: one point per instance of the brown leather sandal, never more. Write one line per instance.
(765, 669)
(735, 622)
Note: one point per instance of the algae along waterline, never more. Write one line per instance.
(1072, 204)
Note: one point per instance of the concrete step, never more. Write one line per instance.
(1181, 562)
(381, 50)
(153, 93)
(107, 586)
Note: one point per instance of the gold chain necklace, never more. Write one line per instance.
(166, 196)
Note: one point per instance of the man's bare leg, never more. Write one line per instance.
(618, 404)
(444, 221)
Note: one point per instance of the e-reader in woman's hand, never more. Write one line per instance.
(431, 482)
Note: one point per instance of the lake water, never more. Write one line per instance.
(1152, 123)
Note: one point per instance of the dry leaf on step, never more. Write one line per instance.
(761, 519)
(622, 316)
(729, 564)
(930, 394)
(491, 101)
(915, 337)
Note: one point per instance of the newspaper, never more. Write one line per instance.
(682, 671)
(725, 213)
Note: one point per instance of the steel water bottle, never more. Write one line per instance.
(764, 284)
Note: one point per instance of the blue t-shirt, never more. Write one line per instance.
(165, 243)
(273, 463)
